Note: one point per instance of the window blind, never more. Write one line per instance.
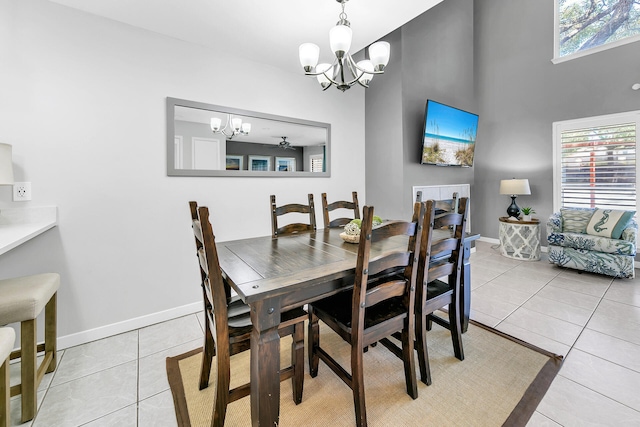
(598, 166)
(317, 163)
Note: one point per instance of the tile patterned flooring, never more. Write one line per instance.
(592, 320)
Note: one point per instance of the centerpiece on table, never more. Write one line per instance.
(351, 233)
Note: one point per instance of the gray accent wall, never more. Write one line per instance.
(493, 58)
(432, 57)
(521, 93)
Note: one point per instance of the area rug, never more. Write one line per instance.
(500, 382)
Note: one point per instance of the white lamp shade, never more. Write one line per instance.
(515, 187)
(236, 122)
(367, 65)
(321, 68)
(6, 165)
(215, 124)
(379, 53)
(246, 127)
(309, 54)
(340, 39)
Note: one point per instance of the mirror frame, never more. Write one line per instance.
(172, 171)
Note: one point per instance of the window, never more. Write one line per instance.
(317, 162)
(587, 26)
(595, 162)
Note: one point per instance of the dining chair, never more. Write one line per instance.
(440, 259)
(296, 227)
(341, 204)
(7, 341)
(444, 205)
(378, 305)
(22, 299)
(228, 324)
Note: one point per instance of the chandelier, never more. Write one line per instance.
(237, 128)
(344, 72)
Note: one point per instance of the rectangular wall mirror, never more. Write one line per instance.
(210, 140)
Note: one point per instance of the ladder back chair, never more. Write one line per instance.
(444, 205)
(342, 204)
(228, 324)
(378, 305)
(22, 299)
(440, 258)
(277, 211)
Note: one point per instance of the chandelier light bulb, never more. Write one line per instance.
(236, 123)
(635, 86)
(366, 65)
(309, 54)
(215, 124)
(246, 128)
(340, 40)
(322, 79)
(379, 53)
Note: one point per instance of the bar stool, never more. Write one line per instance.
(22, 300)
(7, 340)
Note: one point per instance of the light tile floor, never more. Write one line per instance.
(592, 320)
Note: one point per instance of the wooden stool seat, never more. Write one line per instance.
(7, 341)
(22, 299)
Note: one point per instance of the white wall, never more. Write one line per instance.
(82, 101)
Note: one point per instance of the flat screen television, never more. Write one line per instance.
(449, 135)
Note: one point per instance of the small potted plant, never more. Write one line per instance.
(351, 231)
(526, 213)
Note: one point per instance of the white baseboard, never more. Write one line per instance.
(489, 240)
(126, 325)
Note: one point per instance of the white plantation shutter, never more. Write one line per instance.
(596, 162)
(317, 163)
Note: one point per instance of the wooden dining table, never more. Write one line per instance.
(276, 274)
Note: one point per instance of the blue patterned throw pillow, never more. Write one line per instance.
(575, 220)
(609, 222)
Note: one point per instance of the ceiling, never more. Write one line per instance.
(266, 31)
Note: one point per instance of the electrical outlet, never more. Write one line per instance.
(21, 191)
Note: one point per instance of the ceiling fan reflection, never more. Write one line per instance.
(284, 144)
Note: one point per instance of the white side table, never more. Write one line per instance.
(520, 239)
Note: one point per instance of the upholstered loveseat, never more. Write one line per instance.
(595, 240)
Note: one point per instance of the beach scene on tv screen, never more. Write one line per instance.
(449, 135)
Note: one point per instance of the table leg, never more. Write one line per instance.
(265, 364)
(465, 284)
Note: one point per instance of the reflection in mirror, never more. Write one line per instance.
(210, 140)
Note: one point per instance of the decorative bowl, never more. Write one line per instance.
(350, 238)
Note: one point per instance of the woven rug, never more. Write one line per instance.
(500, 382)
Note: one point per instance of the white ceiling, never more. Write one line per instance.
(267, 31)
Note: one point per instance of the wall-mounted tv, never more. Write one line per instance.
(449, 135)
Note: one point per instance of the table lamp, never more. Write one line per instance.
(514, 187)
(6, 165)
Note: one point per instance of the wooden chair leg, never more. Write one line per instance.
(50, 331)
(314, 343)
(28, 369)
(357, 385)
(429, 323)
(421, 346)
(297, 361)
(208, 352)
(5, 413)
(222, 389)
(456, 331)
(409, 360)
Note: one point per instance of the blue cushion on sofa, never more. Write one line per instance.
(609, 222)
